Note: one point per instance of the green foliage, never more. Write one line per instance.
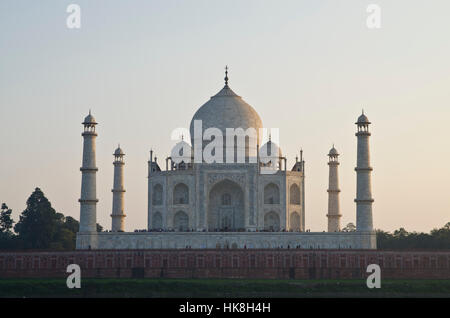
(39, 227)
(39, 222)
(350, 227)
(7, 237)
(71, 224)
(401, 239)
(6, 222)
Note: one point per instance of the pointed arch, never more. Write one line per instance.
(294, 221)
(294, 194)
(181, 194)
(157, 221)
(157, 195)
(271, 194)
(226, 208)
(181, 221)
(271, 221)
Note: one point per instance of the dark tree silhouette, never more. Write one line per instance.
(41, 227)
(7, 237)
(6, 222)
(401, 239)
(39, 222)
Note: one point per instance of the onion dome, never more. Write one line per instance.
(226, 110)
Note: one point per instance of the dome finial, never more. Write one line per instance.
(226, 75)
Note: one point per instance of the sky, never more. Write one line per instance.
(307, 67)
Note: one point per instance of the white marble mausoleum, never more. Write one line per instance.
(225, 192)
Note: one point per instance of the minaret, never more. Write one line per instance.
(363, 177)
(88, 200)
(302, 162)
(334, 216)
(149, 191)
(117, 215)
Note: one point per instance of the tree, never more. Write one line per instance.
(349, 228)
(401, 232)
(71, 224)
(39, 222)
(6, 222)
(7, 237)
(401, 239)
(39, 227)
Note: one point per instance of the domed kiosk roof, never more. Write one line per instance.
(268, 148)
(226, 110)
(333, 152)
(178, 150)
(119, 152)
(363, 119)
(89, 119)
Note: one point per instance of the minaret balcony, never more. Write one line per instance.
(95, 169)
(363, 169)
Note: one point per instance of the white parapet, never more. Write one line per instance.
(211, 240)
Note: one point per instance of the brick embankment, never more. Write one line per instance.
(229, 263)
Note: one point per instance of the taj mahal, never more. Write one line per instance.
(225, 189)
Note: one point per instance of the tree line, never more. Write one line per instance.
(39, 227)
(437, 239)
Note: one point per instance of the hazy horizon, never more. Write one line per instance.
(306, 67)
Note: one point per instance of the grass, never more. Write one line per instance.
(242, 288)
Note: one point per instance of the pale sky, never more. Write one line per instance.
(307, 67)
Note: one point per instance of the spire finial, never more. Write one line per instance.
(226, 75)
(89, 111)
(363, 111)
(270, 137)
(182, 137)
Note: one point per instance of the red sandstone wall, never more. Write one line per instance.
(251, 263)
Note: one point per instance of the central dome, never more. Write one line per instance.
(226, 110)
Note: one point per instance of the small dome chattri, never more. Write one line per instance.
(268, 147)
(178, 150)
(119, 152)
(89, 119)
(333, 152)
(363, 119)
